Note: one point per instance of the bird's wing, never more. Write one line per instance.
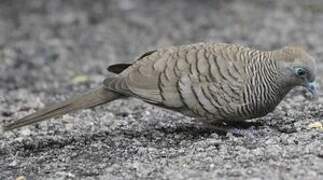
(216, 85)
(177, 76)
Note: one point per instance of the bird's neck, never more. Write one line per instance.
(268, 90)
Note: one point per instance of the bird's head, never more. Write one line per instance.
(298, 68)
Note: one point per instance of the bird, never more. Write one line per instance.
(221, 82)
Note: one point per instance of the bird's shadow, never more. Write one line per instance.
(189, 130)
(236, 128)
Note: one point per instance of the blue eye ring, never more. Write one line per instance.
(300, 71)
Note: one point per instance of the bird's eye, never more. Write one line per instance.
(300, 71)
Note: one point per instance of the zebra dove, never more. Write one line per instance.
(220, 82)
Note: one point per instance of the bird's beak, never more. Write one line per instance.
(313, 88)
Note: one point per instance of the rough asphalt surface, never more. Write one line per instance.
(52, 49)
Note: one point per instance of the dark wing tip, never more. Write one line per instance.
(118, 68)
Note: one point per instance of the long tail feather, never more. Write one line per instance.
(90, 99)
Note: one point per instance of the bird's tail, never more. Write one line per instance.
(87, 100)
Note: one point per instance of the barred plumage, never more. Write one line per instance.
(222, 82)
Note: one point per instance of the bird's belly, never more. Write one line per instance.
(261, 109)
(242, 113)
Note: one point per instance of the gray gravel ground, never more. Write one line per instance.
(52, 49)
